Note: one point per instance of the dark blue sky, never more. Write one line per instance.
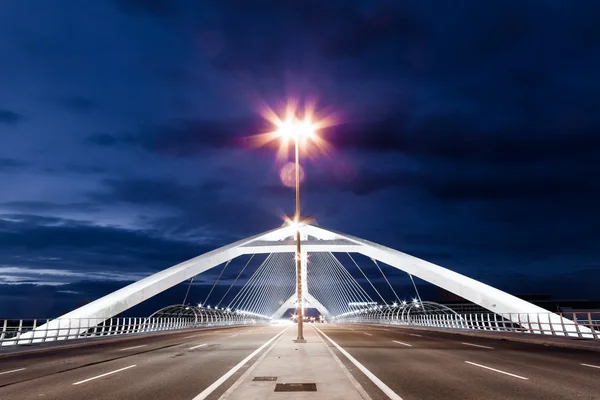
(468, 135)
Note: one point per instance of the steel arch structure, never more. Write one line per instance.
(315, 239)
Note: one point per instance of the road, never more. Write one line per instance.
(415, 364)
(423, 364)
(174, 366)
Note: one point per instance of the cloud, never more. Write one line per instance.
(361, 182)
(9, 164)
(105, 139)
(45, 276)
(158, 8)
(34, 206)
(207, 211)
(8, 117)
(78, 104)
(83, 246)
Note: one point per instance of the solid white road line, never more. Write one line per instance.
(134, 347)
(370, 334)
(585, 365)
(106, 374)
(242, 378)
(382, 386)
(352, 380)
(404, 344)
(497, 370)
(195, 347)
(414, 334)
(478, 345)
(21, 369)
(188, 337)
(206, 392)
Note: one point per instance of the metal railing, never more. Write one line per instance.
(23, 332)
(571, 324)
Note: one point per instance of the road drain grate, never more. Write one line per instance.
(265, 378)
(296, 387)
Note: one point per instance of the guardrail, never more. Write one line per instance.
(23, 332)
(574, 324)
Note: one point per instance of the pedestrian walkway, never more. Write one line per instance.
(290, 363)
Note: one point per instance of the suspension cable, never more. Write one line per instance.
(217, 281)
(187, 291)
(368, 280)
(418, 296)
(344, 298)
(236, 278)
(245, 287)
(243, 300)
(386, 279)
(358, 285)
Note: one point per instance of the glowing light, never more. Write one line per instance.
(294, 126)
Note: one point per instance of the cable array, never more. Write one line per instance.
(332, 285)
(329, 281)
(270, 285)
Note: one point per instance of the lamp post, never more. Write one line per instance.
(296, 131)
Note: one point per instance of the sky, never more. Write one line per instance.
(466, 133)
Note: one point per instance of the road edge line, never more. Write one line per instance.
(361, 391)
(206, 392)
(237, 383)
(382, 386)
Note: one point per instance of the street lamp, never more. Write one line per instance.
(295, 130)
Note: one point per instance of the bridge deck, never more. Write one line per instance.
(415, 364)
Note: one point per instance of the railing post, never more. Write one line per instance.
(3, 332)
(19, 330)
(591, 325)
(577, 325)
(33, 329)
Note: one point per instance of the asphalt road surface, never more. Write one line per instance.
(415, 364)
(174, 366)
(422, 364)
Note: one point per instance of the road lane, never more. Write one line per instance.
(165, 369)
(53, 360)
(436, 365)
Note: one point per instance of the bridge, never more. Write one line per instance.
(364, 346)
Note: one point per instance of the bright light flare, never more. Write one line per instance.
(295, 126)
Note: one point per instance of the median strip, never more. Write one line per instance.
(497, 370)
(103, 375)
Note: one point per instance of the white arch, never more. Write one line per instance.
(274, 241)
(309, 302)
